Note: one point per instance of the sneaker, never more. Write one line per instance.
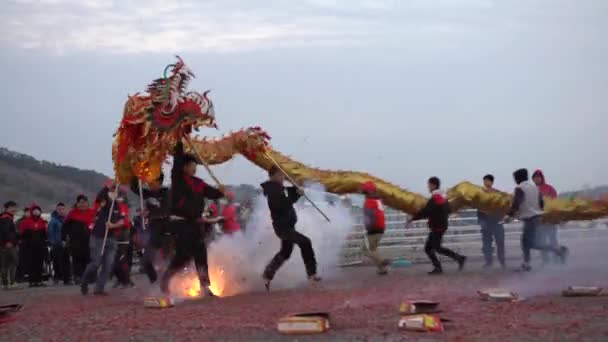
(382, 271)
(267, 281)
(207, 292)
(314, 278)
(436, 271)
(563, 254)
(524, 268)
(84, 289)
(461, 263)
(385, 263)
(116, 285)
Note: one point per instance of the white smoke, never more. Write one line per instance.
(236, 262)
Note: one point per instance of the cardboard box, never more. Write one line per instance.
(426, 323)
(304, 323)
(158, 302)
(412, 307)
(499, 295)
(582, 291)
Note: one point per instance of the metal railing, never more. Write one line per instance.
(463, 236)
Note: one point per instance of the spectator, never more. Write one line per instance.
(230, 223)
(492, 230)
(33, 232)
(122, 265)
(8, 245)
(75, 234)
(58, 256)
(547, 233)
(102, 256)
(21, 267)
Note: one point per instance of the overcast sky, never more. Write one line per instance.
(401, 89)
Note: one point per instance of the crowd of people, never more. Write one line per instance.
(94, 242)
(84, 244)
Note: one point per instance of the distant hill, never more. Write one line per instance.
(24, 179)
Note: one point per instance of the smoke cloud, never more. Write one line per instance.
(236, 262)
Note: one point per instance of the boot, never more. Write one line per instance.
(267, 281)
(436, 271)
(563, 254)
(461, 262)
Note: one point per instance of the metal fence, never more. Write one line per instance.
(462, 236)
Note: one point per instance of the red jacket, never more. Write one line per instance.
(545, 189)
(33, 224)
(374, 215)
(231, 224)
(122, 233)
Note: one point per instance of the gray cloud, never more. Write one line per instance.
(401, 89)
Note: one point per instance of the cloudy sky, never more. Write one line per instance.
(401, 89)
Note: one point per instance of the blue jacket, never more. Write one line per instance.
(55, 227)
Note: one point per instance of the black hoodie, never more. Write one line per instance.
(280, 202)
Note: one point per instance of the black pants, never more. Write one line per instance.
(155, 229)
(189, 244)
(288, 239)
(433, 245)
(34, 254)
(529, 239)
(80, 258)
(61, 263)
(122, 263)
(492, 232)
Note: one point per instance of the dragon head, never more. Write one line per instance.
(173, 106)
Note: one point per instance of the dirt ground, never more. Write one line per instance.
(363, 306)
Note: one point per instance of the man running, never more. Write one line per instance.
(280, 202)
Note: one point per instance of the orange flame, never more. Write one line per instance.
(187, 285)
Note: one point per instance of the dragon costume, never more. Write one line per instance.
(153, 123)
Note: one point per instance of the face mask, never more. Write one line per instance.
(36, 212)
(223, 202)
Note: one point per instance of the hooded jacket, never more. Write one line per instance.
(280, 202)
(373, 211)
(436, 210)
(8, 230)
(545, 189)
(56, 228)
(33, 229)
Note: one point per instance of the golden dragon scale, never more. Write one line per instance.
(252, 144)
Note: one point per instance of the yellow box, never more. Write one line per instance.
(421, 323)
(304, 323)
(158, 302)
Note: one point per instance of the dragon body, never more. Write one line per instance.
(154, 123)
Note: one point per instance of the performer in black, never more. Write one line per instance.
(188, 194)
(156, 200)
(280, 202)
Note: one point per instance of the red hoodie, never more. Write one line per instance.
(545, 189)
(33, 229)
